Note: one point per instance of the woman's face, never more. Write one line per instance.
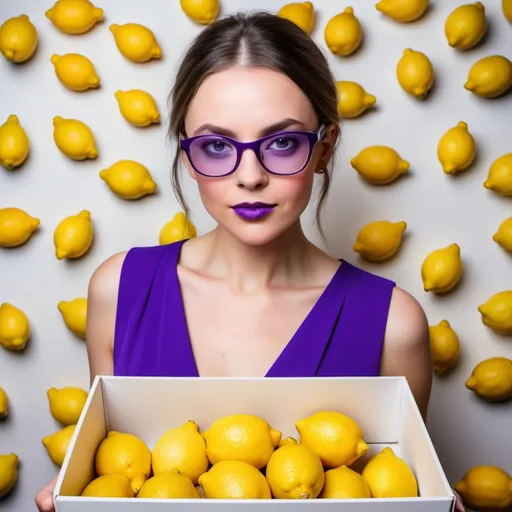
(247, 104)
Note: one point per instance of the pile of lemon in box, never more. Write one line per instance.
(242, 457)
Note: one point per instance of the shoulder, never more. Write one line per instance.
(105, 279)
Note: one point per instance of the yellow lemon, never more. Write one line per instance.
(465, 26)
(344, 483)
(490, 77)
(415, 73)
(380, 240)
(403, 11)
(243, 437)
(66, 404)
(8, 473)
(203, 12)
(18, 39)
(491, 379)
(379, 165)
(73, 236)
(234, 479)
(4, 404)
(169, 485)
(499, 178)
(178, 228)
(353, 100)
(74, 16)
(75, 71)
(503, 236)
(343, 33)
(109, 486)
(74, 314)
(58, 443)
(138, 107)
(14, 328)
(136, 42)
(497, 312)
(300, 13)
(506, 7)
(442, 269)
(334, 437)
(444, 345)
(124, 454)
(390, 476)
(16, 227)
(183, 448)
(128, 179)
(295, 472)
(14, 143)
(456, 149)
(286, 441)
(486, 488)
(74, 138)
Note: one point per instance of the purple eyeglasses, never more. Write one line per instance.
(282, 153)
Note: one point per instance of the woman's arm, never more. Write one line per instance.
(407, 347)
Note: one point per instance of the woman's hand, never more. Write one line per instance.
(44, 498)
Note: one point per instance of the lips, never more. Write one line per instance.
(253, 211)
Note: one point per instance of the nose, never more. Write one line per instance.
(250, 174)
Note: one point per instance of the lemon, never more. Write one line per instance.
(14, 328)
(75, 71)
(136, 42)
(353, 100)
(380, 240)
(73, 236)
(486, 488)
(334, 437)
(490, 77)
(74, 314)
(16, 227)
(286, 441)
(444, 345)
(138, 107)
(183, 448)
(497, 312)
(109, 486)
(379, 165)
(66, 404)
(8, 473)
(169, 485)
(18, 39)
(300, 13)
(14, 143)
(128, 179)
(74, 138)
(442, 269)
(465, 26)
(506, 7)
(178, 228)
(403, 11)
(203, 12)
(503, 236)
(344, 483)
(491, 379)
(295, 472)
(415, 73)
(4, 404)
(499, 178)
(456, 149)
(343, 33)
(243, 437)
(57, 444)
(234, 479)
(74, 16)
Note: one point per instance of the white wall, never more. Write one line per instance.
(439, 209)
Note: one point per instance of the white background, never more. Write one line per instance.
(438, 209)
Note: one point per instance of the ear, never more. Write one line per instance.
(328, 144)
(186, 162)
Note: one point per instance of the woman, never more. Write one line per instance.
(254, 109)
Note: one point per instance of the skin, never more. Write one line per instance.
(267, 274)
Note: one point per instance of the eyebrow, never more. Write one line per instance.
(280, 125)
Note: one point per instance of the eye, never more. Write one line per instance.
(282, 143)
(217, 146)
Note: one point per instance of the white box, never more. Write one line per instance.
(384, 408)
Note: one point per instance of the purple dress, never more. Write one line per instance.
(342, 335)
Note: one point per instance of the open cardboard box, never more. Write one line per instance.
(384, 408)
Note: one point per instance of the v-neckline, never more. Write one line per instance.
(186, 340)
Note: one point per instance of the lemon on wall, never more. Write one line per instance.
(74, 16)
(66, 404)
(128, 179)
(442, 269)
(466, 25)
(490, 76)
(109, 486)
(344, 483)
(74, 138)
(506, 7)
(4, 404)
(73, 236)
(178, 228)
(379, 165)
(403, 11)
(456, 149)
(75, 71)
(16, 226)
(8, 473)
(18, 39)
(380, 240)
(503, 236)
(300, 13)
(169, 485)
(14, 328)
(57, 444)
(444, 345)
(415, 73)
(138, 107)
(499, 178)
(491, 379)
(74, 314)
(203, 12)
(496, 312)
(14, 143)
(343, 33)
(136, 42)
(353, 100)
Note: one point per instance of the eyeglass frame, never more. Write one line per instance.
(313, 138)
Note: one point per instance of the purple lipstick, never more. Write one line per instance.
(253, 211)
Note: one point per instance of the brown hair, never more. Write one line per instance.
(256, 39)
